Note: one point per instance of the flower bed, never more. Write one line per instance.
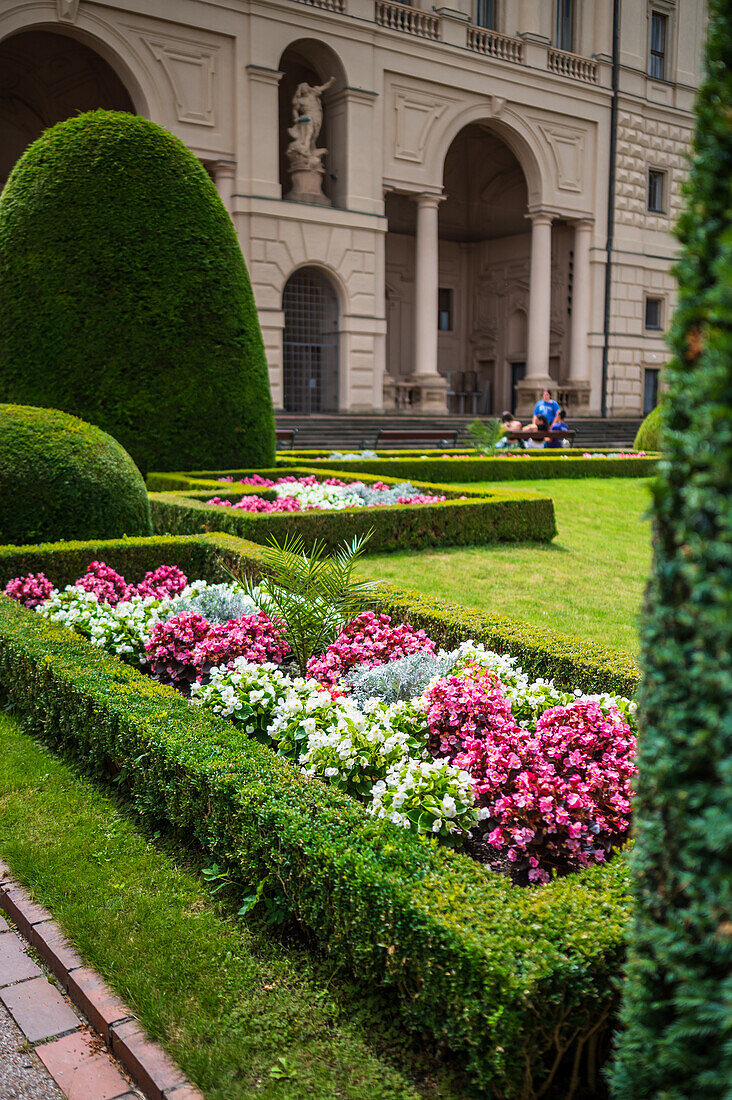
(519, 981)
(299, 494)
(460, 744)
(420, 514)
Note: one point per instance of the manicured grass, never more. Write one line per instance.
(589, 581)
(246, 1011)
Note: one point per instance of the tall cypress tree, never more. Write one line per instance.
(677, 1009)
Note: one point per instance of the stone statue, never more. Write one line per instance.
(304, 156)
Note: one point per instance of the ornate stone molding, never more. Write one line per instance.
(191, 72)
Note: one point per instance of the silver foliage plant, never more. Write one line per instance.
(216, 602)
(405, 678)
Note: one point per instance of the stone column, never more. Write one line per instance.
(540, 296)
(224, 172)
(432, 385)
(577, 387)
(540, 306)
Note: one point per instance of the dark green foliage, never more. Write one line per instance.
(678, 991)
(124, 296)
(61, 478)
(507, 977)
(648, 436)
(516, 468)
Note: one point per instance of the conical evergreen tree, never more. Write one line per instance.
(125, 299)
(677, 1008)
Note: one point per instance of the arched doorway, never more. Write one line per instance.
(310, 363)
(45, 78)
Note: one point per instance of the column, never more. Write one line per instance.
(540, 297)
(432, 386)
(577, 387)
(224, 172)
(580, 302)
(425, 285)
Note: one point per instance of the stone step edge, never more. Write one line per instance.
(151, 1068)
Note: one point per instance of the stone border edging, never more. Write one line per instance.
(152, 1069)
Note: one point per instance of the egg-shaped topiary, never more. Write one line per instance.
(61, 478)
(648, 436)
(124, 296)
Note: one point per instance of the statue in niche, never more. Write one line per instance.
(304, 157)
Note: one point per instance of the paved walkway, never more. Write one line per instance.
(46, 1050)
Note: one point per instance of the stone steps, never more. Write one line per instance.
(349, 432)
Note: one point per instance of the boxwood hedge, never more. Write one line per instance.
(521, 983)
(464, 519)
(547, 464)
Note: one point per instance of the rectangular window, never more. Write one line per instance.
(565, 21)
(656, 191)
(659, 37)
(650, 389)
(444, 311)
(653, 313)
(485, 14)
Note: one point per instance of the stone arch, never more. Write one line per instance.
(308, 60)
(311, 341)
(514, 132)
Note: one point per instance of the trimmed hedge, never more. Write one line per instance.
(521, 467)
(648, 436)
(124, 296)
(474, 522)
(520, 982)
(61, 477)
(677, 1000)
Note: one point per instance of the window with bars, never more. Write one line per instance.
(310, 362)
(656, 191)
(659, 39)
(565, 25)
(485, 14)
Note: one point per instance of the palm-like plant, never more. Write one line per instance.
(486, 436)
(311, 596)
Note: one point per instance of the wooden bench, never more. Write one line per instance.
(539, 436)
(286, 435)
(445, 437)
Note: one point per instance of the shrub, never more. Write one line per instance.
(648, 436)
(559, 798)
(61, 478)
(368, 639)
(676, 1010)
(31, 590)
(131, 304)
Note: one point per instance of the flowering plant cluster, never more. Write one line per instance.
(186, 647)
(427, 796)
(307, 493)
(111, 588)
(31, 590)
(368, 640)
(557, 799)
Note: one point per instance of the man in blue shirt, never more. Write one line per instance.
(546, 407)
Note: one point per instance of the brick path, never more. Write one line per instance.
(45, 1043)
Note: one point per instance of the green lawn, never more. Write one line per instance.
(245, 1010)
(589, 581)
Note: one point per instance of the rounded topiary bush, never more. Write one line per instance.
(124, 296)
(61, 478)
(648, 436)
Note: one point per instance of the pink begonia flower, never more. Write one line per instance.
(368, 640)
(106, 584)
(31, 590)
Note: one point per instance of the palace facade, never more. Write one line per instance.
(496, 207)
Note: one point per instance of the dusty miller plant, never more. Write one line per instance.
(311, 597)
(405, 678)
